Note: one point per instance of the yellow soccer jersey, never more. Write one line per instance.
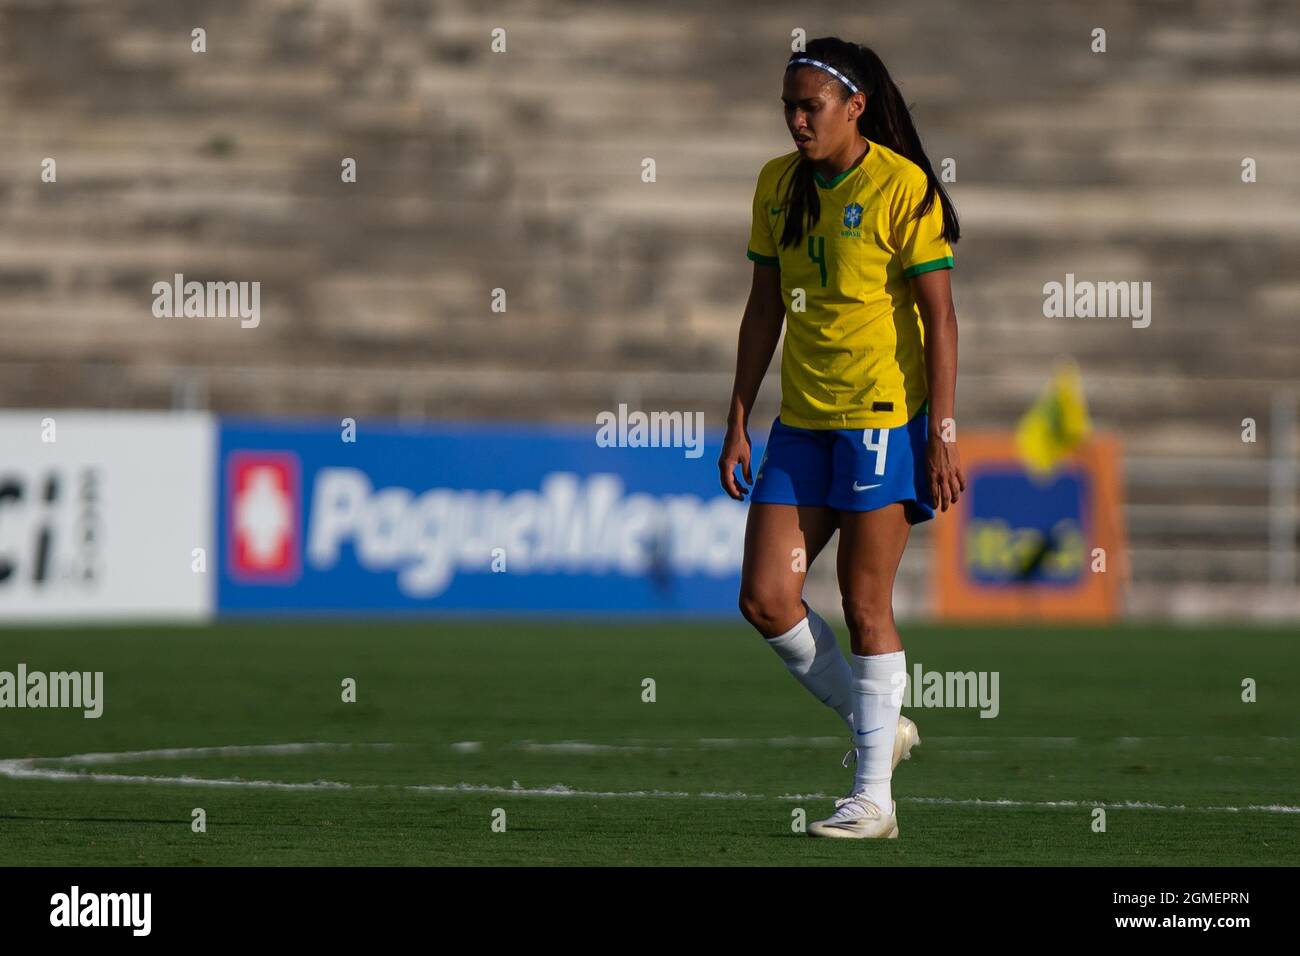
(854, 357)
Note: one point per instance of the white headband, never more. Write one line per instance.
(829, 69)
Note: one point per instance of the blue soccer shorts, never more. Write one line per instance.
(848, 469)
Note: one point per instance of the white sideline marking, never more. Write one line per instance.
(583, 747)
(29, 773)
(962, 743)
(703, 743)
(182, 753)
(730, 742)
(25, 768)
(1109, 805)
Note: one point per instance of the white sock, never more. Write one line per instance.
(813, 656)
(877, 701)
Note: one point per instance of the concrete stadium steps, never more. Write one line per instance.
(522, 171)
(502, 388)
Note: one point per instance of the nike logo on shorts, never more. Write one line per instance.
(858, 487)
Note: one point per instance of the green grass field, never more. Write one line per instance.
(709, 773)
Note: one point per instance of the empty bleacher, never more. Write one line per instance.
(522, 171)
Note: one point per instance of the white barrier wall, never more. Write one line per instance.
(101, 513)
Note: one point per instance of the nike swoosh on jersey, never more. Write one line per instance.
(858, 487)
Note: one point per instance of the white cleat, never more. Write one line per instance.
(857, 818)
(905, 739)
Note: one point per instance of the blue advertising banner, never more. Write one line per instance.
(471, 518)
(1021, 530)
(1022, 545)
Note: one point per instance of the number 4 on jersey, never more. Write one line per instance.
(818, 243)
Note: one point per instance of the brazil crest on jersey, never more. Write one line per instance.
(854, 357)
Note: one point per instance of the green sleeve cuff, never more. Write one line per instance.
(916, 270)
(761, 259)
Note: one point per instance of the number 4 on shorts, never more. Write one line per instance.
(880, 446)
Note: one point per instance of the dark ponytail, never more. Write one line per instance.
(886, 120)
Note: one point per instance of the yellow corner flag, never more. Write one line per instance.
(1056, 423)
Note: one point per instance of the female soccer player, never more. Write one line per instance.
(851, 239)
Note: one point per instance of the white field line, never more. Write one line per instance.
(962, 743)
(25, 769)
(703, 743)
(184, 753)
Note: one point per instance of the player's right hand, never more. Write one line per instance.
(735, 451)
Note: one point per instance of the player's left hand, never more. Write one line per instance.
(944, 472)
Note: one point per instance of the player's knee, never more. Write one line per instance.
(766, 610)
(867, 618)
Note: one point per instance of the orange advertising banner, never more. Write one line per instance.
(1021, 547)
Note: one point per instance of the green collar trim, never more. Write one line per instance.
(817, 177)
